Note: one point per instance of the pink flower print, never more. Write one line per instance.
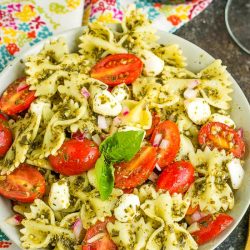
(7, 20)
(38, 22)
(111, 2)
(14, 7)
(118, 14)
(12, 48)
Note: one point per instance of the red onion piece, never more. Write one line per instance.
(157, 140)
(102, 123)
(85, 93)
(240, 132)
(78, 135)
(116, 121)
(157, 167)
(78, 229)
(97, 139)
(21, 87)
(15, 220)
(153, 177)
(164, 144)
(190, 93)
(125, 111)
(197, 215)
(193, 84)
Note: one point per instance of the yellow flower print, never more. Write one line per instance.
(26, 14)
(182, 8)
(9, 32)
(107, 18)
(73, 4)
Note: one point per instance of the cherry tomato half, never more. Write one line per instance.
(176, 177)
(136, 171)
(211, 227)
(118, 68)
(24, 184)
(169, 143)
(216, 134)
(75, 157)
(5, 137)
(17, 97)
(156, 120)
(103, 243)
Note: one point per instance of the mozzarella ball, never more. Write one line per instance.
(236, 172)
(153, 65)
(121, 92)
(105, 104)
(198, 110)
(59, 196)
(216, 117)
(126, 208)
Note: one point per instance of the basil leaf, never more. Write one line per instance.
(122, 146)
(105, 177)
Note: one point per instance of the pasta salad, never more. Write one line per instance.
(119, 145)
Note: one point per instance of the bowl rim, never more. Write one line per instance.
(73, 32)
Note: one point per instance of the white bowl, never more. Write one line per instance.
(196, 59)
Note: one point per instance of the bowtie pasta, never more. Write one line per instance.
(140, 137)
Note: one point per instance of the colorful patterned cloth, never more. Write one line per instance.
(25, 23)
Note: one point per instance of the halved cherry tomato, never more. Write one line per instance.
(17, 97)
(102, 243)
(216, 134)
(5, 137)
(118, 68)
(191, 209)
(75, 157)
(211, 227)
(169, 144)
(136, 171)
(3, 117)
(155, 122)
(24, 184)
(176, 177)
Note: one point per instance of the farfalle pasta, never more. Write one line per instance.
(127, 146)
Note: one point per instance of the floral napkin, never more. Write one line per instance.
(25, 23)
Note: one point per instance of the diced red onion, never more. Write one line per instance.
(197, 215)
(96, 238)
(153, 177)
(85, 93)
(193, 227)
(15, 220)
(116, 121)
(240, 132)
(164, 144)
(193, 84)
(125, 111)
(78, 135)
(78, 229)
(190, 93)
(97, 139)
(102, 123)
(157, 167)
(21, 87)
(157, 140)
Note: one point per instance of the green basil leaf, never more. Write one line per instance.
(122, 146)
(105, 177)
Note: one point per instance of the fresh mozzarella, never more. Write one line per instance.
(59, 196)
(236, 172)
(223, 119)
(153, 65)
(105, 103)
(127, 207)
(198, 110)
(121, 92)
